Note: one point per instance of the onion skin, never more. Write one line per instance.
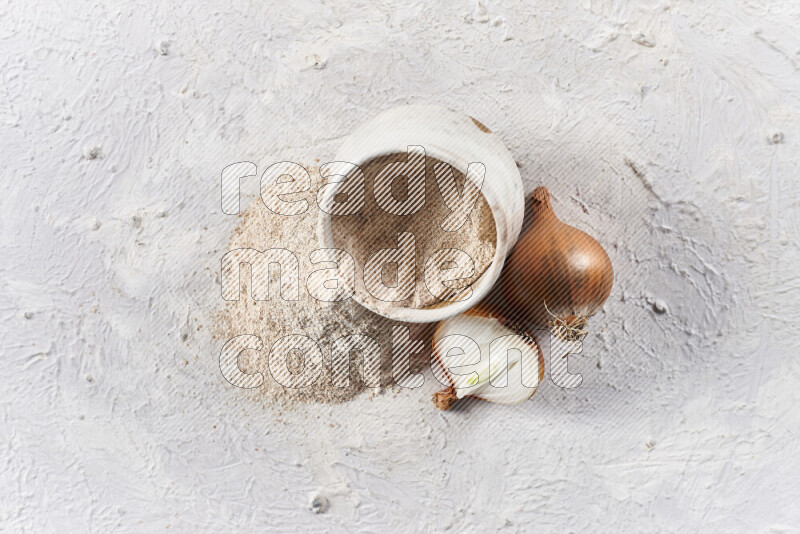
(556, 274)
(445, 399)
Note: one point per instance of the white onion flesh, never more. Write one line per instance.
(479, 356)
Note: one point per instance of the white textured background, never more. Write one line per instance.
(669, 130)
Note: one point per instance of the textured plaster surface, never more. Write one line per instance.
(668, 130)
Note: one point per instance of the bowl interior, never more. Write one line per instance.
(441, 310)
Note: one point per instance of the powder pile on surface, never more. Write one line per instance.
(323, 322)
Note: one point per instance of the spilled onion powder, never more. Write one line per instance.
(323, 322)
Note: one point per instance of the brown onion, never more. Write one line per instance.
(556, 275)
